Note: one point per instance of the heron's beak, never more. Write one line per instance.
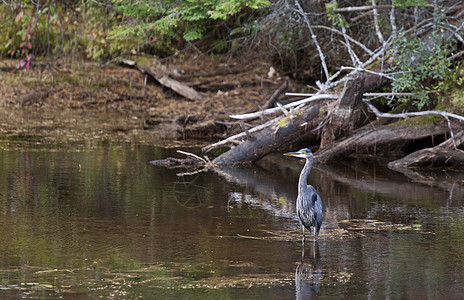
(291, 153)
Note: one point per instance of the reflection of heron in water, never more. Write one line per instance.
(308, 202)
(308, 274)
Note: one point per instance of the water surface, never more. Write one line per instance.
(85, 221)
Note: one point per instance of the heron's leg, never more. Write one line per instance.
(303, 241)
(315, 234)
(302, 251)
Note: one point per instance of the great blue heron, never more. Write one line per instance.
(308, 202)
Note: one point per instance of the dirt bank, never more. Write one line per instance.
(81, 101)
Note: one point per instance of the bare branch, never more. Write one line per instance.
(313, 37)
(353, 55)
(277, 109)
(412, 114)
(373, 58)
(365, 94)
(362, 46)
(456, 55)
(393, 23)
(283, 109)
(193, 155)
(233, 138)
(376, 23)
(361, 8)
(368, 71)
(451, 132)
(364, 8)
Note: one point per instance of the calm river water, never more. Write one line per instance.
(98, 221)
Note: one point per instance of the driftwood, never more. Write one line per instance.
(162, 78)
(341, 135)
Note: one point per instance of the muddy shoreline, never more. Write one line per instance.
(84, 101)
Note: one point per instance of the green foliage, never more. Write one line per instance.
(54, 28)
(161, 22)
(18, 32)
(91, 31)
(457, 100)
(406, 3)
(453, 79)
(420, 66)
(333, 16)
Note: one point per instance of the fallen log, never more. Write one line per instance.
(441, 155)
(288, 129)
(163, 79)
(445, 154)
(370, 137)
(430, 157)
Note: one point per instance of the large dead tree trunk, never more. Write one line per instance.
(287, 130)
(346, 116)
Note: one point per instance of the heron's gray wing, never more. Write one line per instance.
(318, 211)
(307, 202)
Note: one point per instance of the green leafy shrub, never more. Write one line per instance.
(162, 22)
(420, 66)
(54, 28)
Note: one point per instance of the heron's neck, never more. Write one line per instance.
(303, 181)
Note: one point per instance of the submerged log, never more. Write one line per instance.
(172, 162)
(288, 129)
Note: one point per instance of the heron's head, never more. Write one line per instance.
(303, 153)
